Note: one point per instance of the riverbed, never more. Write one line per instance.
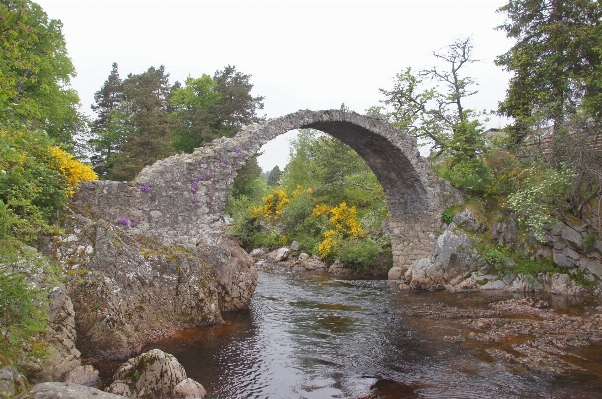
(316, 335)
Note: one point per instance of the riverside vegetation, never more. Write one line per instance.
(544, 168)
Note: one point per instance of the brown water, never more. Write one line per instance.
(314, 335)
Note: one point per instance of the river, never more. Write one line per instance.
(315, 335)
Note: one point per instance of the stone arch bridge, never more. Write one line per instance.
(181, 200)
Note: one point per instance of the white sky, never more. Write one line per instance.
(301, 55)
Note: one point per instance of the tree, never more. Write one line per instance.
(431, 115)
(111, 127)
(191, 111)
(147, 96)
(555, 61)
(236, 106)
(274, 176)
(35, 72)
(244, 178)
(208, 108)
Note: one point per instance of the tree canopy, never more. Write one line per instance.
(35, 72)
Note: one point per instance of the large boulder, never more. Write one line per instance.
(128, 291)
(452, 256)
(61, 390)
(155, 375)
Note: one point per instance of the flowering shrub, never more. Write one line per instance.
(273, 205)
(73, 170)
(344, 225)
(542, 195)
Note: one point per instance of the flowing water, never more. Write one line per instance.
(314, 335)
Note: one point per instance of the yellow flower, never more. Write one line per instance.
(73, 170)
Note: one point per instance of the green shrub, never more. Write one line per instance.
(360, 254)
(545, 191)
(447, 217)
(494, 257)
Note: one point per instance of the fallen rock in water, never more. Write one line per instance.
(279, 255)
(154, 375)
(61, 390)
(313, 263)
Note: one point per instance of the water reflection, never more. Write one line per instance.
(319, 336)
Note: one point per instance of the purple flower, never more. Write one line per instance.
(144, 188)
(133, 223)
(237, 149)
(123, 222)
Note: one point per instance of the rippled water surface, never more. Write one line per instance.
(321, 336)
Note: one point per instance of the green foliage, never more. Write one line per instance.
(35, 72)
(541, 196)
(31, 186)
(289, 212)
(447, 216)
(191, 104)
(527, 266)
(588, 241)
(494, 257)
(248, 182)
(555, 62)
(435, 115)
(360, 254)
(274, 176)
(24, 318)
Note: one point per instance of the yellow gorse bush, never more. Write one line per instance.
(73, 170)
(273, 205)
(344, 224)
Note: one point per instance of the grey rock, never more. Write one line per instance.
(279, 255)
(452, 256)
(468, 220)
(303, 256)
(11, 382)
(83, 375)
(572, 236)
(525, 283)
(129, 291)
(562, 258)
(258, 253)
(395, 273)
(313, 263)
(154, 374)
(494, 285)
(595, 267)
(189, 389)
(295, 246)
(61, 390)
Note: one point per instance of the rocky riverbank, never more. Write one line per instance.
(522, 334)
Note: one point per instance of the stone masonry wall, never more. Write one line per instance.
(181, 199)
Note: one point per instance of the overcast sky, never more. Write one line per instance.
(301, 55)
